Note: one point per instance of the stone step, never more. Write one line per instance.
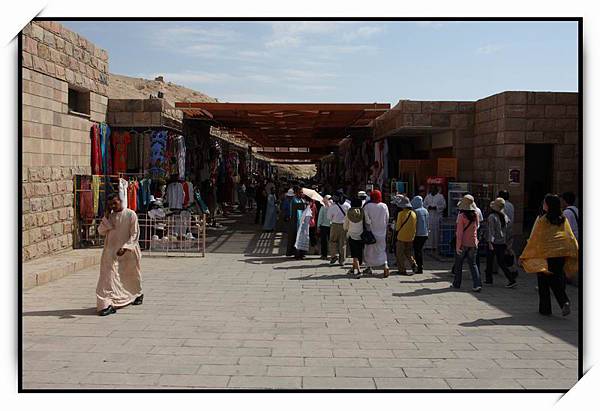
(46, 269)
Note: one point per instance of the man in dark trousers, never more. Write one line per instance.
(261, 205)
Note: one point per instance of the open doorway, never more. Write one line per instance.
(538, 180)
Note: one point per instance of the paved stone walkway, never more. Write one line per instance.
(246, 317)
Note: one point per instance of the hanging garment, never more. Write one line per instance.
(106, 149)
(96, 193)
(181, 156)
(123, 185)
(120, 280)
(188, 189)
(175, 195)
(132, 195)
(96, 150)
(146, 151)
(86, 202)
(120, 141)
(144, 194)
(133, 152)
(186, 194)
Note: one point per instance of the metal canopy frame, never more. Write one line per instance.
(319, 127)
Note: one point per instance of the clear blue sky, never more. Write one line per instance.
(343, 61)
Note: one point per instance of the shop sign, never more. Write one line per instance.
(514, 176)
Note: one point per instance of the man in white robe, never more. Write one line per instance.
(435, 203)
(120, 281)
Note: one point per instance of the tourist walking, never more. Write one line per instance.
(551, 252)
(120, 281)
(313, 225)
(261, 205)
(354, 223)
(406, 228)
(286, 205)
(271, 213)
(435, 203)
(571, 212)
(302, 244)
(337, 239)
(422, 231)
(466, 242)
(377, 213)
(498, 229)
(297, 206)
(323, 227)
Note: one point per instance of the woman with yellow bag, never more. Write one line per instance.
(551, 252)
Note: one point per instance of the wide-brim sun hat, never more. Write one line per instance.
(467, 203)
(404, 202)
(498, 204)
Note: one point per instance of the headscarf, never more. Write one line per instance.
(417, 202)
(376, 196)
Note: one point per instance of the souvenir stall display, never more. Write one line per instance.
(141, 166)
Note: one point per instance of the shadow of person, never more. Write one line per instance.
(299, 267)
(62, 314)
(322, 277)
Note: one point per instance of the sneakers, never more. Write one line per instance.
(566, 309)
(511, 284)
(368, 271)
(476, 289)
(333, 260)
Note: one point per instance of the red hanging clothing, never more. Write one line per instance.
(119, 141)
(86, 200)
(132, 192)
(96, 151)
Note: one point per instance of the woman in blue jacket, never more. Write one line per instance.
(422, 231)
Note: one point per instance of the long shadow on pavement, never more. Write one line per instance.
(62, 314)
(520, 304)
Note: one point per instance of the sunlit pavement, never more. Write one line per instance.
(247, 317)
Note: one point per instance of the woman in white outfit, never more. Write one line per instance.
(378, 214)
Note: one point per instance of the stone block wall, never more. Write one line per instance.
(505, 122)
(154, 112)
(456, 117)
(56, 144)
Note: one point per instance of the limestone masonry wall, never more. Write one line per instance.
(56, 144)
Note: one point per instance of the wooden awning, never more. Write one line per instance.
(316, 126)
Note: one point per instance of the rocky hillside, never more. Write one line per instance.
(125, 87)
(121, 87)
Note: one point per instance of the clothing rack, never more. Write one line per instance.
(78, 221)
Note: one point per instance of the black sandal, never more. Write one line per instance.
(139, 300)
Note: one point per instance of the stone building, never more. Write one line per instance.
(64, 84)
(533, 134)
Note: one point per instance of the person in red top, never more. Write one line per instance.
(312, 230)
(466, 242)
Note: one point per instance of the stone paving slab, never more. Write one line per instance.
(246, 317)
